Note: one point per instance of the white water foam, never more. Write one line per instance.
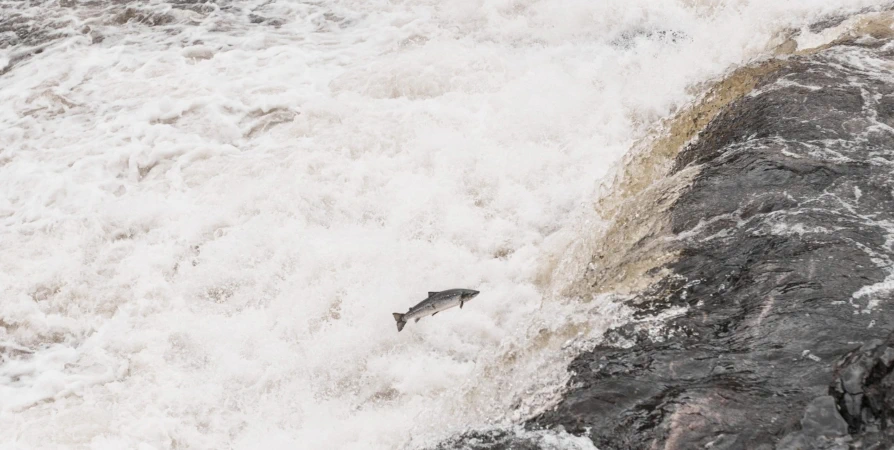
(205, 225)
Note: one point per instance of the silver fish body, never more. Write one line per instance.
(435, 303)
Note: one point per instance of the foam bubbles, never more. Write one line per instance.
(208, 212)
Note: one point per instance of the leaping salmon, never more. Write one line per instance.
(435, 303)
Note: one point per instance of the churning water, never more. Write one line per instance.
(209, 211)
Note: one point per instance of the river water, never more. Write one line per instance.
(209, 211)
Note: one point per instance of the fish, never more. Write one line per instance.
(435, 303)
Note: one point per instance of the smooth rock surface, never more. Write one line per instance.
(822, 419)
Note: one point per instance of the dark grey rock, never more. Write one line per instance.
(852, 379)
(779, 239)
(794, 441)
(489, 440)
(870, 413)
(887, 357)
(822, 419)
(790, 215)
(853, 403)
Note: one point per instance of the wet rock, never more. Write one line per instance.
(779, 242)
(852, 379)
(489, 440)
(822, 419)
(822, 428)
(789, 219)
(863, 388)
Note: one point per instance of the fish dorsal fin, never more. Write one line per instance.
(431, 293)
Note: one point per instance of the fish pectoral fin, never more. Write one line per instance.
(461, 304)
(417, 319)
(435, 312)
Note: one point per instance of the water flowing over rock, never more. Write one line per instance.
(210, 210)
(782, 272)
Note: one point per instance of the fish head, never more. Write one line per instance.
(467, 294)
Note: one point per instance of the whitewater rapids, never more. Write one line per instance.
(208, 212)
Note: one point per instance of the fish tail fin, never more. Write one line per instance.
(400, 321)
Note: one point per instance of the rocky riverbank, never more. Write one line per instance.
(777, 256)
